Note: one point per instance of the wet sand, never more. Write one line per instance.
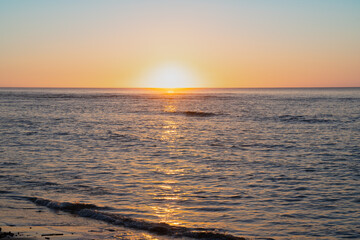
(60, 221)
(69, 233)
(54, 232)
(38, 218)
(24, 220)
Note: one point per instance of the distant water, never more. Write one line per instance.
(280, 163)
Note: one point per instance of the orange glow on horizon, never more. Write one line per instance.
(168, 77)
(200, 44)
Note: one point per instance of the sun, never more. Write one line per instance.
(170, 76)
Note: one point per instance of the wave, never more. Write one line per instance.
(94, 212)
(304, 119)
(194, 113)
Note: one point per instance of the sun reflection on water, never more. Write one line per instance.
(168, 192)
(169, 133)
(145, 237)
(171, 172)
(170, 108)
(167, 196)
(166, 214)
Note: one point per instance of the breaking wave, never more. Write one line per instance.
(94, 212)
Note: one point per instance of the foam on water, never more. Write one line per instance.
(92, 211)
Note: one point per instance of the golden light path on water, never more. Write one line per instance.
(167, 212)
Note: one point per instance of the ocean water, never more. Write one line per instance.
(279, 163)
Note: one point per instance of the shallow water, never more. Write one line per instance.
(281, 163)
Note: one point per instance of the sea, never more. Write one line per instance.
(196, 163)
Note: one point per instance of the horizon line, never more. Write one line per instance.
(143, 88)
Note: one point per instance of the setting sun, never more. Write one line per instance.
(170, 76)
(157, 119)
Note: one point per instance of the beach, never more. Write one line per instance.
(96, 225)
(65, 227)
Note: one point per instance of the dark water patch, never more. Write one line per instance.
(93, 211)
(191, 96)
(299, 216)
(262, 147)
(213, 209)
(9, 163)
(4, 192)
(24, 123)
(235, 196)
(113, 135)
(194, 113)
(302, 119)
(198, 114)
(227, 197)
(281, 178)
(61, 133)
(50, 184)
(30, 133)
(330, 199)
(310, 170)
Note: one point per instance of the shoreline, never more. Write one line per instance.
(36, 232)
(71, 233)
(38, 218)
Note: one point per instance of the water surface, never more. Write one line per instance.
(281, 163)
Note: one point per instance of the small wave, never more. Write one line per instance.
(61, 133)
(65, 206)
(194, 113)
(261, 146)
(211, 209)
(9, 163)
(93, 211)
(121, 137)
(30, 133)
(291, 118)
(4, 192)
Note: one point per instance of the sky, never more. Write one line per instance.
(195, 43)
